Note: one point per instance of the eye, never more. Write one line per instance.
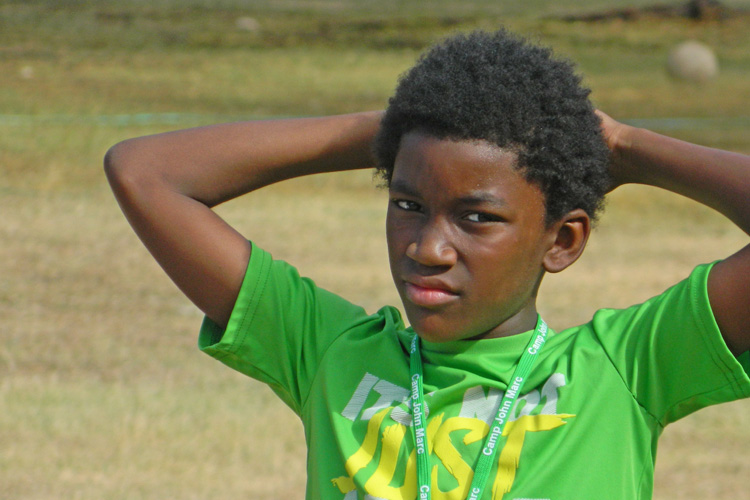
(407, 205)
(482, 217)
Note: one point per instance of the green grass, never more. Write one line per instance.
(102, 389)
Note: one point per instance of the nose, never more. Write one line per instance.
(432, 246)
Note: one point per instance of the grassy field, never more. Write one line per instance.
(103, 393)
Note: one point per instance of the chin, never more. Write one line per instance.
(436, 332)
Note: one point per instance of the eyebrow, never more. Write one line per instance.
(402, 187)
(482, 197)
(478, 197)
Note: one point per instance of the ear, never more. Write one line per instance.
(570, 235)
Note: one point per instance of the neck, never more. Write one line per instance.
(523, 321)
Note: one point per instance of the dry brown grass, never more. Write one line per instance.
(103, 393)
(106, 396)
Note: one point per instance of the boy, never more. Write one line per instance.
(496, 164)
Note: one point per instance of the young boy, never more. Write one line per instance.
(496, 164)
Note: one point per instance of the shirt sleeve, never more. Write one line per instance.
(279, 328)
(670, 353)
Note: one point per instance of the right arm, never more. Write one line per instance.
(167, 183)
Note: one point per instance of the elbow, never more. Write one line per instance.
(118, 164)
(111, 159)
(115, 165)
(126, 169)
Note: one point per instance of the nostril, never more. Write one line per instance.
(430, 253)
(412, 251)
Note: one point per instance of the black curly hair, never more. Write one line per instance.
(502, 89)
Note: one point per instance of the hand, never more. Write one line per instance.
(615, 136)
(610, 129)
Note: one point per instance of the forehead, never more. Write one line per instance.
(432, 165)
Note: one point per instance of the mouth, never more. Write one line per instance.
(429, 294)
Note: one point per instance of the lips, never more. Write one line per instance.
(429, 293)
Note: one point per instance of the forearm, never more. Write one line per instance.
(716, 178)
(216, 163)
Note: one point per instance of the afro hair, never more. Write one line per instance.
(499, 88)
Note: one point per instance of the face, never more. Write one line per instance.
(466, 239)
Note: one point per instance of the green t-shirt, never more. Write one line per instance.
(586, 426)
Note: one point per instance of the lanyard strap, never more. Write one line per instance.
(489, 450)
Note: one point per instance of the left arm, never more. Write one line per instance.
(718, 179)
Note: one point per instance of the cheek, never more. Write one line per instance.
(397, 233)
(508, 264)
(395, 238)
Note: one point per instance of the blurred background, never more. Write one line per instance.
(103, 392)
